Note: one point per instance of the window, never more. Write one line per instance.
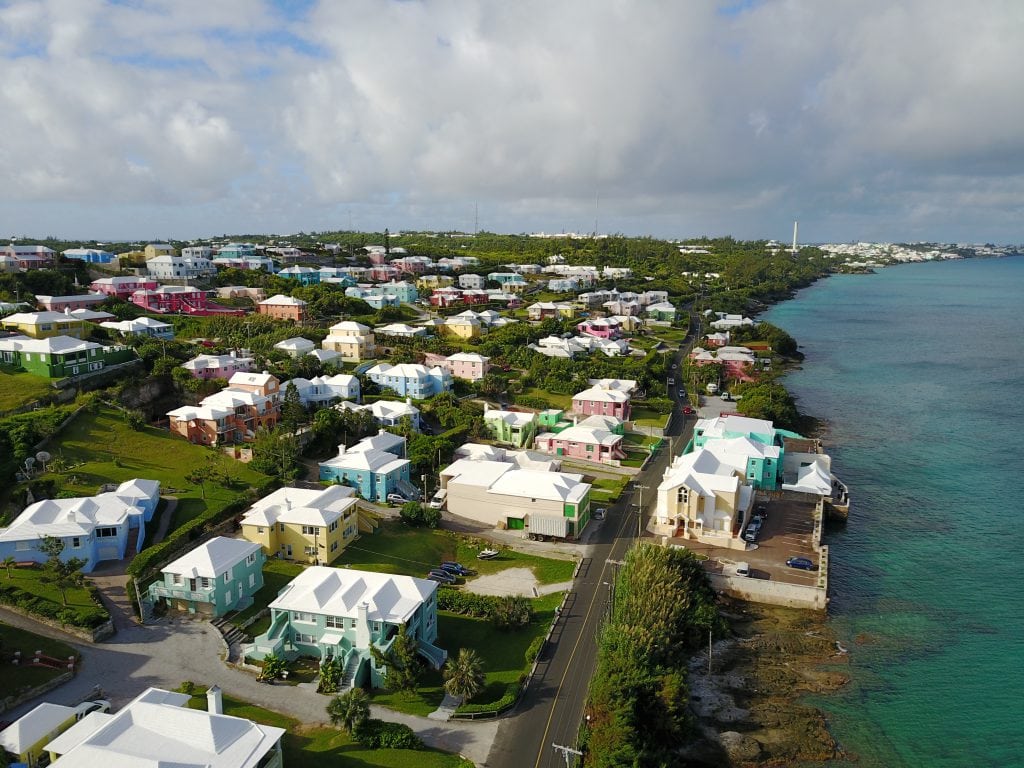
(300, 616)
(206, 583)
(335, 622)
(304, 638)
(282, 527)
(683, 495)
(309, 550)
(251, 558)
(176, 578)
(106, 533)
(252, 579)
(333, 526)
(227, 577)
(334, 546)
(310, 530)
(259, 529)
(76, 542)
(376, 626)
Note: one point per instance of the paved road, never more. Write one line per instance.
(552, 709)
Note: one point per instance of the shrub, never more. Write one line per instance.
(467, 603)
(330, 676)
(377, 734)
(512, 612)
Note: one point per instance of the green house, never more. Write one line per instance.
(512, 427)
(59, 357)
(219, 576)
(755, 444)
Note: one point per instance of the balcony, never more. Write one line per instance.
(182, 593)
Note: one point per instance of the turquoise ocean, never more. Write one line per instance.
(919, 372)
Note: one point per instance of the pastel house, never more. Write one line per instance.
(411, 380)
(295, 346)
(172, 298)
(307, 525)
(281, 307)
(218, 366)
(600, 327)
(122, 287)
(141, 326)
(339, 613)
(601, 400)
(662, 310)
(375, 466)
(43, 325)
(513, 427)
(60, 357)
(157, 728)
(252, 401)
(88, 255)
(26, 738)
(388, 413)
(216, 577)
(323, 390)
(593, 439)
(107, 526)
(75, 301)
(467, 365)
(304, 275)
(461, 327)
(353, 341)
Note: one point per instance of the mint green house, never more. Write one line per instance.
(338, 613)
(754, 446)
(553, 420)
(512, 427)
(219, 576)
(59, 357)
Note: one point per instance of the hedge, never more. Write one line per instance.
(467, 603)
(88, 618)
(378, 734)
(509, 698)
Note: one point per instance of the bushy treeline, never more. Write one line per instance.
(663, 609)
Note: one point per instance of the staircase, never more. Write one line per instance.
(407, 489)
(349, 675)
(233, 636)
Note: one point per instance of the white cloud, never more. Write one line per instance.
(681, 118)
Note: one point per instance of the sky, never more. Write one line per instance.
(863, 119)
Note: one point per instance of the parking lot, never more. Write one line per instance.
(786, 533)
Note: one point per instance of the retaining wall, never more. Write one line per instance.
(771, 592)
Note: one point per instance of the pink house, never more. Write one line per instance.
(466, 365)
(383, 273)
(172, 298)
(446, 297)
(475, 297)
(589, 441)
(218, 366)
(123, 287)
(62, 303)
(601, 327)
(737, 362)
(602, 401)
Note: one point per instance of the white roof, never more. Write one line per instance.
(593, 435)
(701, 472)
(516, 418)
(340, 592)
(33, 726)
(280, 299)
(401, 329)
(716, 428)
(36, 318)
(349, 327)
(325, 355)
(553, 486)
(468, 357)
(295, 343)
(624, 385)
(201, 362)
(365, 456)
(814, 478)
(212, 558)
(68, 517)
(302, 506)
(157, 730)
(601, 394)
(405, 370)
(134, 326)
(52, 345)
(251, 379)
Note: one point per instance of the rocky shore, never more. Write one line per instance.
(750, 709)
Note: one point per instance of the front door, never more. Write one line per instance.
(288, 551)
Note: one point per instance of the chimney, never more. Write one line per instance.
(363, 626)
(214, 701)
(341, 449)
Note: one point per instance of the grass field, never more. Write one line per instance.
(17, 679)
(557, 401)
(647, 417)
(503, 653)
(79, 600)
(276, 573)
(18, 388)
(315, 747)
(395, 548)
(101, 448)
(607, 489)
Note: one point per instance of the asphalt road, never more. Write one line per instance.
(551, 711)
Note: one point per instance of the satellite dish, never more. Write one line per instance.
(29, 463)
(42, 457)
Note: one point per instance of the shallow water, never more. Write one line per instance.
(919, 371)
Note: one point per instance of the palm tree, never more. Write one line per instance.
(464, 676)
(349, 710)
(8, 563)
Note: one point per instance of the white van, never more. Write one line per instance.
(438, 499)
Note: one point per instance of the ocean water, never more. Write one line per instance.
(919, 372)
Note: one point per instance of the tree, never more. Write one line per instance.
(275, 453)
(63, 574)
(205, 472)
(349, 710)
(512, 612)
(401, 663)
(8, 563)
(273, 667)
(464, 676)
(292, 411)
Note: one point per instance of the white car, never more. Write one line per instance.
(83, 709)
(397, 498)
(599, 513)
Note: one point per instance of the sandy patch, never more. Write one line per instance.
(511, 581)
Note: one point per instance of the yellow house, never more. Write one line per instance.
(43, 325)
(153, 250)
(427, 283)
(353, 341)
(26, 737)
(461, 327)
(307, 526)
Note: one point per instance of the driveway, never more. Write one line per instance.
(167, 652)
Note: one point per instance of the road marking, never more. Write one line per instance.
(572, 653)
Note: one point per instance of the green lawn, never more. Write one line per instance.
(396, 548)
(503, 653)
(23, 677)
(608, 489)
(647, 417)
(315, 747)
(18, 388)
(276, 573)
(639, 440)
(79, 600)
(101, 448)
(556, 401)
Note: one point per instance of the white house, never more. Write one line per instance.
(400, 330)
(321, 390)
(295, 346)
(157, 728)
(142, 326)
(169, 267)
(388, 413)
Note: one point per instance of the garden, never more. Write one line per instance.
(24, 677)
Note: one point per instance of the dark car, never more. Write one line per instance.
(800, 562)
(688, 410)
(442, 576)
(455, 568)
(753, 530)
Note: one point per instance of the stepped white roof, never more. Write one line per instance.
(212, 558)
(301, 506)
(340, 592)
(33, 726)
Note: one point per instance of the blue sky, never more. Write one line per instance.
(864, 119)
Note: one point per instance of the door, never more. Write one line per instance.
(516, 524)
(288, 551)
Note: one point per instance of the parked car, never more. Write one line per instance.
(688, 410)
(762, 510)
(397, 498)
(437, 574)
(438, 499)
(599, 513)
(752, 532)
(457, 569)
(83, 709)
(801, 562)
(440, 580)
(738, 569)
(487, 554)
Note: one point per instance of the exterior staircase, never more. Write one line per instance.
(349, 675)
(233, 636)
(408, 490)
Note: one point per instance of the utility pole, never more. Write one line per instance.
(640, 509)
(569, 753)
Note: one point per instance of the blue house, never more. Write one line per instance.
(216, 577)
(375, 466)
(411, 380)
(89, 255)
(305, 275)
(107, 526)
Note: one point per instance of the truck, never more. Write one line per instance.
(541, 527)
